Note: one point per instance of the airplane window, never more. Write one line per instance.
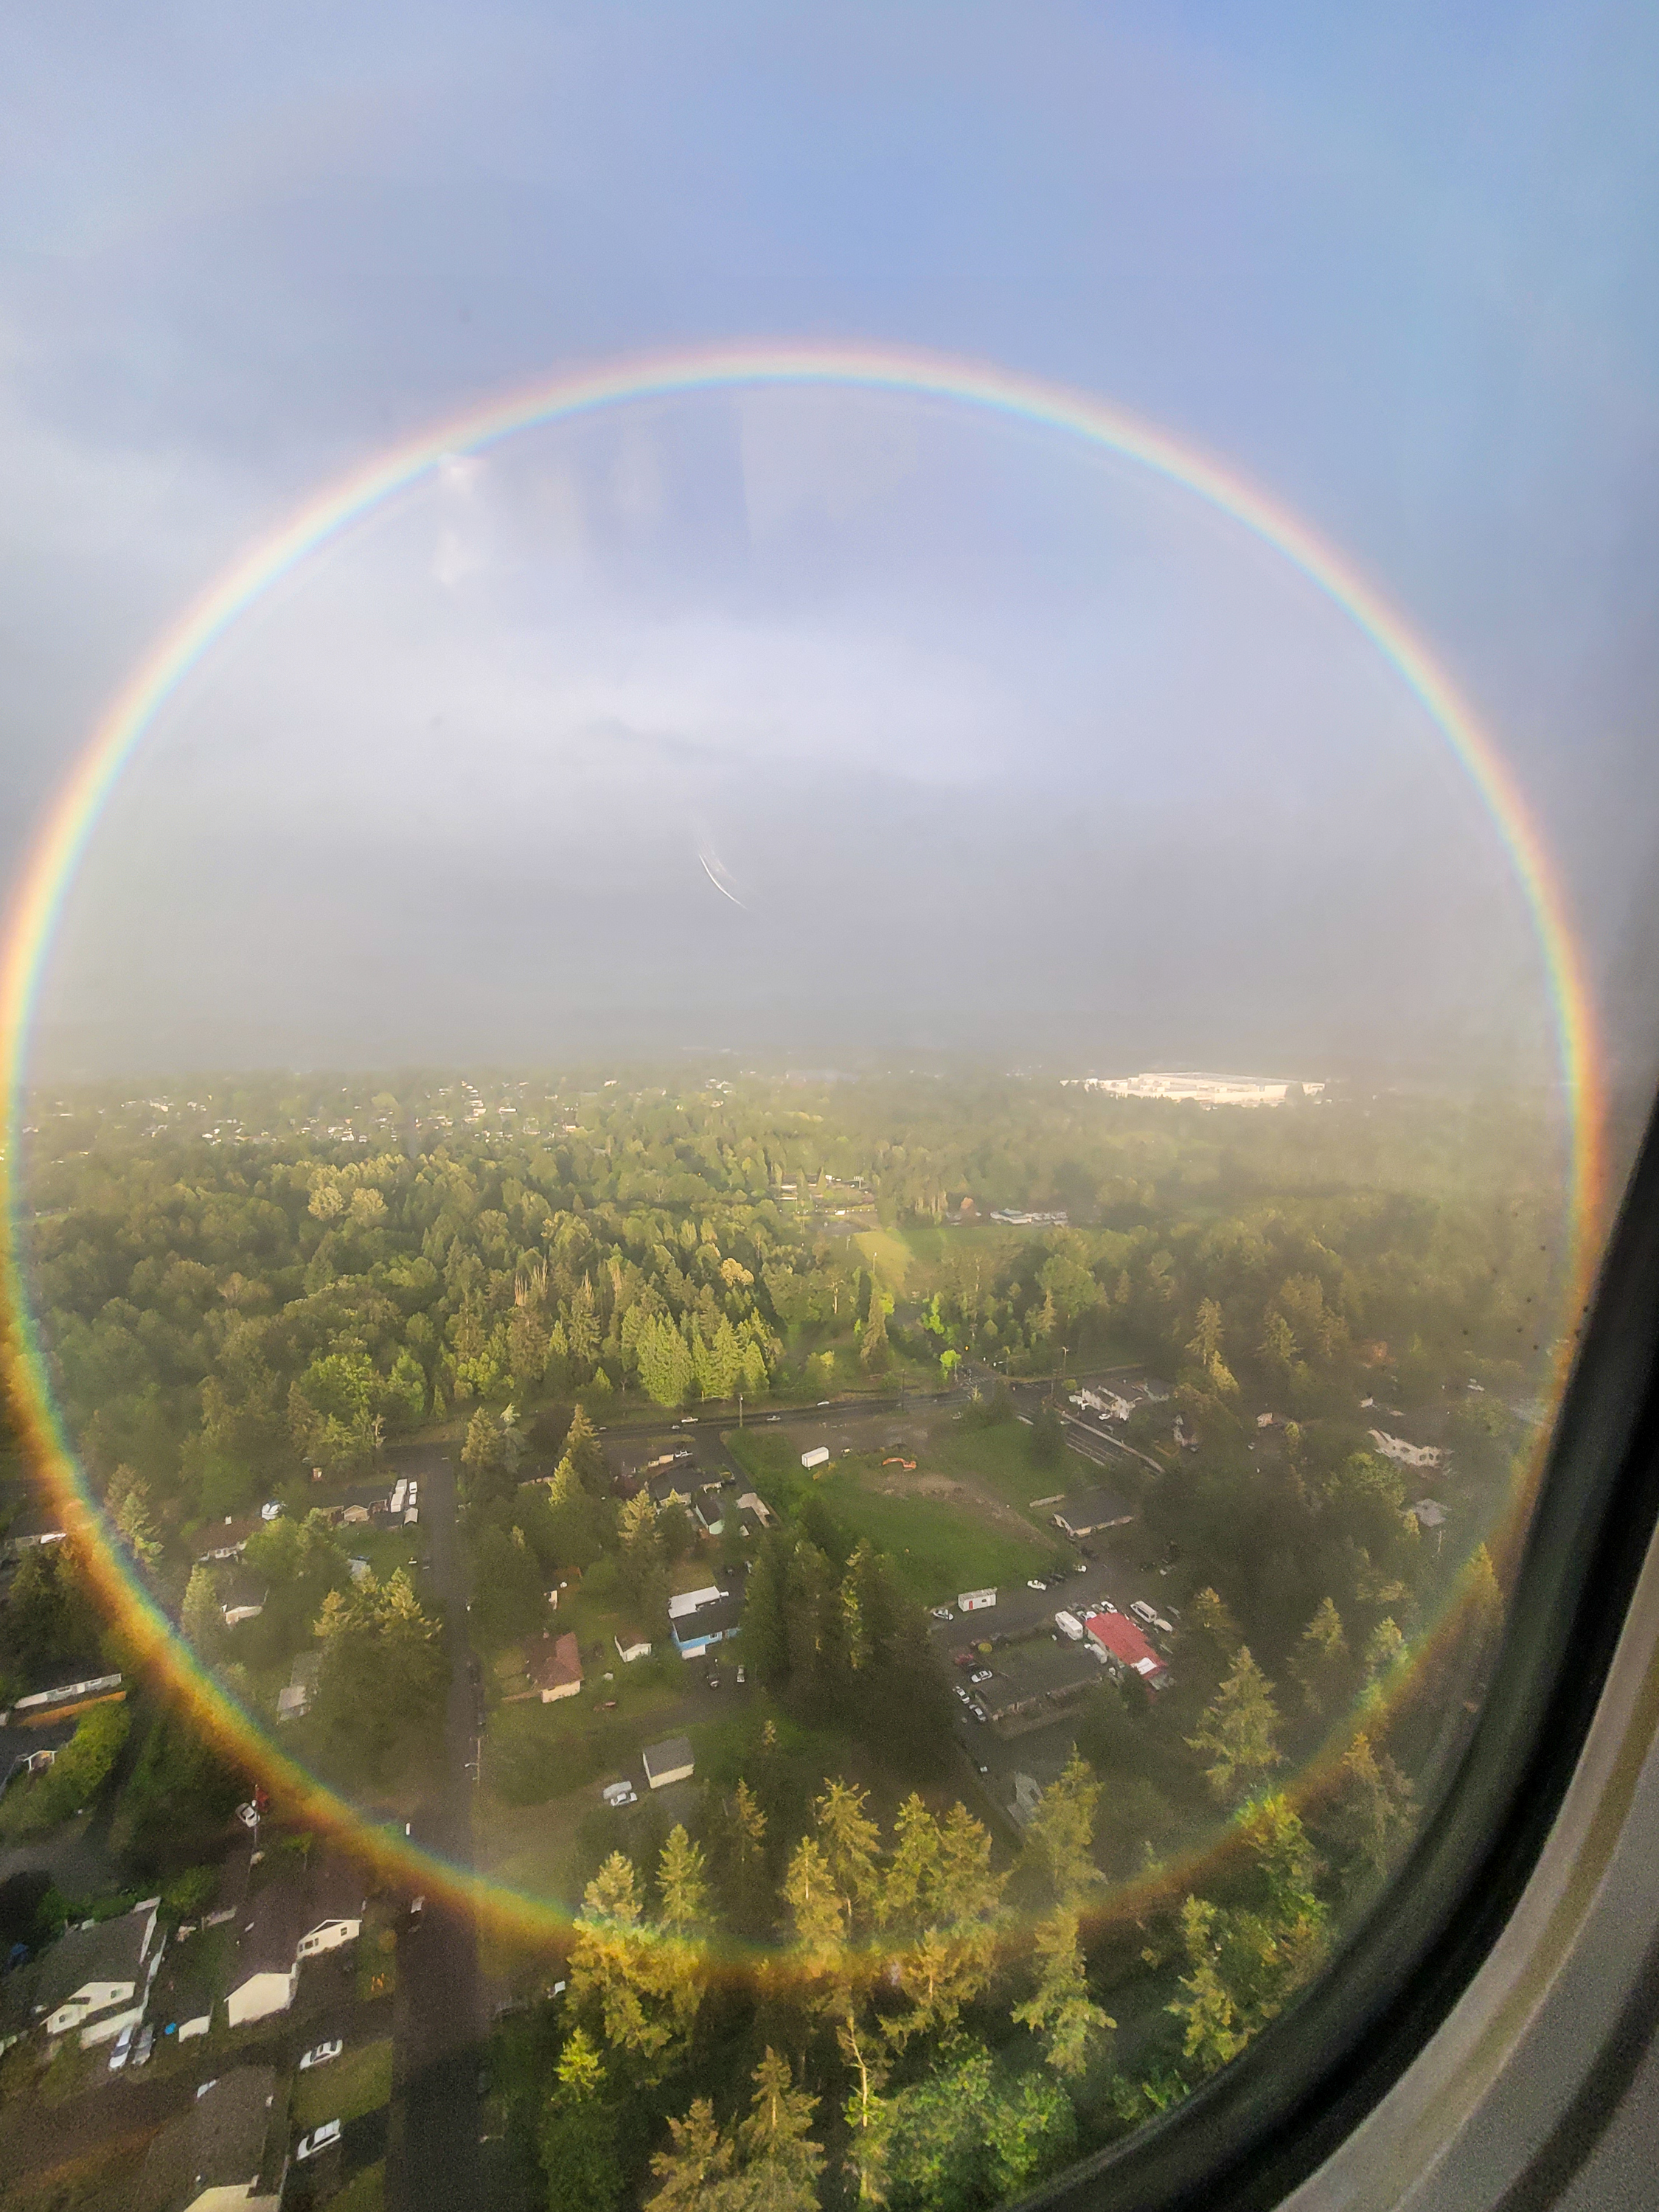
(829, 846)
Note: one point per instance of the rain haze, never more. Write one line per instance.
(822, 723)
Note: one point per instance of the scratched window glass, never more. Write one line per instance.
(827, 840)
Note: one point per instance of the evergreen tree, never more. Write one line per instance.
(1059, 1834)
(1371, 1815)
(1240, 1730)
(200, 1617)
(1322, 1664)
(781, 2162)
(872, 1346)
(765, 1622)
(1384, 1648)
(577, 2137)
(683, 1885)
(694, 2174)
(1061, 2011)
(135, 1523)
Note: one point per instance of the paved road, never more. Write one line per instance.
(432, 2152)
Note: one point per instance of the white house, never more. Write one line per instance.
(267, 1969)
(287, 1923)
(1405, 1454)
(668, 1762)
(96, 1977)
(631, 1645)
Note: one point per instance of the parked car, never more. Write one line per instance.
(981, 1675)
(319, 2139)
(1144, 1613)
(979, 1712)
(145, 2044)
(320, 2053)
(963, 1659)
(961, 1692)
(619, 1793)
(248, 1815)
(123, 2049)
(943, 1613)
(742, 1678)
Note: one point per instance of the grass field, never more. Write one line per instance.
(939, 1545)
(355, 2082)
(888, 1255)
(1001, 1458)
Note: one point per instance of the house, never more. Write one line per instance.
(68, 1693)
(287, 1923)
(685, 1602)
(1125, 1650)
(631, 1645)
(95, 1978)
(267, 1969)
(241, 1597)
(335, 1904)
(1107, 1404)
(668, 1762)
(295, 1700)
(1403, 1453)
(226, 1542)
(709, 1508)
(1427, 1514)
(715, 1622)
(1086, 1511)
(751, 1503)
(556, 1668)
(1034, 1683)
(223, 2153)
(670, 1490)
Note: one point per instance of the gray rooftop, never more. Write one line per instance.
(667, 1758)
(219, 2141)
(113, 1951)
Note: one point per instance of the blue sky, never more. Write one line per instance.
(1397, 266)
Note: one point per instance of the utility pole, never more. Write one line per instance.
(740, 1409)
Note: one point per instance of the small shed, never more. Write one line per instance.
(668, 1762)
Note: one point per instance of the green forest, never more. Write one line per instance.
(247, 1288)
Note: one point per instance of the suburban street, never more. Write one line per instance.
(432, 2152)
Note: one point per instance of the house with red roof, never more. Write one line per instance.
(1125, 1649)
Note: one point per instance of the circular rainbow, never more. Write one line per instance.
(73, 816)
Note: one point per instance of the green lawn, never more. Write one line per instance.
(355, 2082)
(1000, 1457)
(939, 1545)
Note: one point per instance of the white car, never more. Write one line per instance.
(981, 1675)
(320, 2053)
(618, 1794)
(1035, 1581)
(248, 1815)
(319, 2139)
(122, 2050)
(1144, 1613)
(943, 1613)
